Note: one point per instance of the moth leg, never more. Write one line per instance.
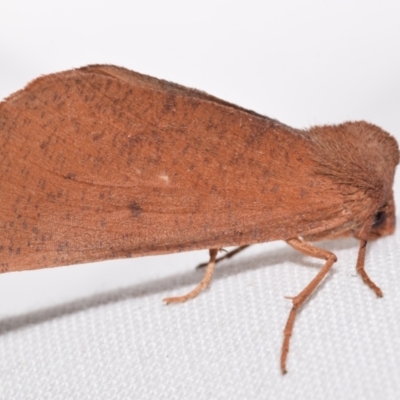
(227, 255)
(360, 269)
(300, 299)
(202, 285)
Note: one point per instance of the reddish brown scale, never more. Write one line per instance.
(101, 162)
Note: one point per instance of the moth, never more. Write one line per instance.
(101, 163)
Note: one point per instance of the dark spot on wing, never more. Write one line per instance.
(136, 210)
(274, 189)
(70, 175)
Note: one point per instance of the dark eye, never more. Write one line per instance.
(380, 219)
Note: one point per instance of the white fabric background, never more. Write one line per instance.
(101, 331)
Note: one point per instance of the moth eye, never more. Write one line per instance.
(380, 219)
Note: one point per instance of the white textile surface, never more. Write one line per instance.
(225, 344)
(100, 331)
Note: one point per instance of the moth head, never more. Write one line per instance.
(384, 221)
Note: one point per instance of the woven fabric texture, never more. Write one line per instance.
(123, 343)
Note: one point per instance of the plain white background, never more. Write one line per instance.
(100, 331)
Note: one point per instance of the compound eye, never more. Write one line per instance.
(380, 219)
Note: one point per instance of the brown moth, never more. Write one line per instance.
(101, 162)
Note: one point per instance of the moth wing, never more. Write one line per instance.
(95, 166)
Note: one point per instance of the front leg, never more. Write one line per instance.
(309, 250)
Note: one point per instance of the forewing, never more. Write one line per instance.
(95, 167)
